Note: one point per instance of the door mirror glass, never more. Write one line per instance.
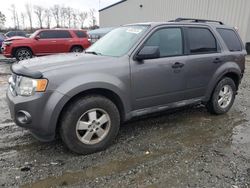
(148, 52)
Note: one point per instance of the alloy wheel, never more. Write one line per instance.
(93, 126)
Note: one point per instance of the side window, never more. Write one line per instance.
(169, 41)
(80, 34)
(230, 38)
(62, 34)
(54, 34)
(201, 41)
(46, 35)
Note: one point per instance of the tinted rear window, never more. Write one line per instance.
(80, 34)
(231, 39)
(201, 40)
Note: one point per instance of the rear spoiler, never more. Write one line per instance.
(23, 71)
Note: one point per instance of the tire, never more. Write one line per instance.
(81, 112)
(76, 49)
(23, 53)
(220, 103)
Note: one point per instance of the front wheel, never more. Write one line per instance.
(90, 124)
(22, 54)
(223, 97)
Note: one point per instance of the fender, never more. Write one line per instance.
(79, 84)
(228, 67)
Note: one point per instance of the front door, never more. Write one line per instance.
(160, 81)
(46, 43)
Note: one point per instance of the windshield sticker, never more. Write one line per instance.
(133, 30)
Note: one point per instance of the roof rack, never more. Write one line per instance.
(196, 20)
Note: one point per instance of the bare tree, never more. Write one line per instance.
(47, 16)
(56, 14)
(63, 16)
(38, 10)
(2, 19)
(23, 17)
(75, 18)
(29, 14)
(92, 17)
(69, 15)
(14, 14)
(17, 21)
(82, 17)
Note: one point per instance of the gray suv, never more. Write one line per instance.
(134, 70)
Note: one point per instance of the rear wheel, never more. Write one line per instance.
(23, 53)
(76, 49)
(223, 97)
(90, 124)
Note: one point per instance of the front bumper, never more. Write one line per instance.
(41, 122)
(6, 51)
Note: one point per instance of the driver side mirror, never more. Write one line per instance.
(148, 52)
(37, 37)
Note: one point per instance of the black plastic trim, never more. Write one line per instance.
(23, 71)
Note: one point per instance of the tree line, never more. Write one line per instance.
(56, 16)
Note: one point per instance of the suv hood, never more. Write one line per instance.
(37, 66)
(15, 38)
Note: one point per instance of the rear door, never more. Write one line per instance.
(63, 40)
(204, 58)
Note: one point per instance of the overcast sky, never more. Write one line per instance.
(82, 5)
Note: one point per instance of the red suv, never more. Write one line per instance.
(46, 42)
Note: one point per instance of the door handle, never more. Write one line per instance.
(177, 65)
(217, 60)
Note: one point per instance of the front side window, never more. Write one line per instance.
(169, 41)
(201, 40)
(119, 41)
(46, 35)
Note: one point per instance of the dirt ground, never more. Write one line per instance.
(185, 148)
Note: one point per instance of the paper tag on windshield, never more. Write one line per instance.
(133, 30)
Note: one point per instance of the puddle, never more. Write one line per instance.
(113, 167)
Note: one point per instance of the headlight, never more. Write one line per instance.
(7, 43)
(28, 86)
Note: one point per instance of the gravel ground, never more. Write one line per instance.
(185, 148)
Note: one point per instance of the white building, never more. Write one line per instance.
(231, 12)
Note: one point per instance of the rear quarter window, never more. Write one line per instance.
(231, 39)
(80, 34)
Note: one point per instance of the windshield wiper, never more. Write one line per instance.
(92, 52)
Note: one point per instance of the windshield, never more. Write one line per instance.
(118, 42)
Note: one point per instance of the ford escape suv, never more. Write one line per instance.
(134, 70)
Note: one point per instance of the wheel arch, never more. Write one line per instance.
(18, 47)
(76, 45)
(109, 94)
(231, 70)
